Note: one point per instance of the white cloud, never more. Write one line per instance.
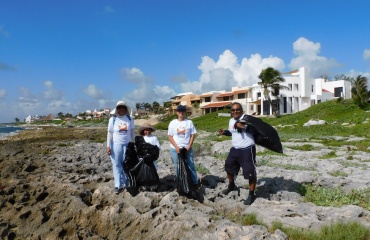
(2, 93)
(94, 92)
(227, 72)
(145, 91)
(367, 54)
(134, 75)
(51, 92)
(308, 57)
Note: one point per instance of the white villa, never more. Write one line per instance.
(301, 92)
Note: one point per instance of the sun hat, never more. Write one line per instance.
(145, 126)
(122, 103)
(181, 108)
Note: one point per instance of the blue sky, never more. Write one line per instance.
(69, 56)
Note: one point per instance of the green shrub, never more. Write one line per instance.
(335, 197)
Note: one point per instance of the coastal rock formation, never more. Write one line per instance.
(57, 183)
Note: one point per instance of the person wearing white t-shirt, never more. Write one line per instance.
(181, 134)
(242, 154)
(121, 131)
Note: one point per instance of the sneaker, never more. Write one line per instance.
(230, 188)
(117, 191)
(250, 199)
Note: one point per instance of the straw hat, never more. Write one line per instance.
(121, 103)
(146, 126)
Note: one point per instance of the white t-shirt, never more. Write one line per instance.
(122, 129)
(152, 140)
(181, 132)
(240, 140)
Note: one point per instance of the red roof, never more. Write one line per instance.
(217, 104)
(240, 91)
(225, 94)
(324, 90)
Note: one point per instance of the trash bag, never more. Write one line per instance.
(146, 150)
(146, 174)
(264, 134)
(131, 160)
(184, 184)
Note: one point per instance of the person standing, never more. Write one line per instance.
(181, 134)
(120, 132)
(242, 154)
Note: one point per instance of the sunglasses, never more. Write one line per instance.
(121, 107)
(236, 110)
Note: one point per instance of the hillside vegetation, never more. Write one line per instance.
(343, 118)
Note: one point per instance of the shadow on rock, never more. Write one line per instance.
(269, 187)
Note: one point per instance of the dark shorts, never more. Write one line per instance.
(244, 158)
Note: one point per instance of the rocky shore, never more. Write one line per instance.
(57, 183)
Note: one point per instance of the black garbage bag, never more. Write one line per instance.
(145, 150)
(146, 174)
(264, 134)
(131, 160)
(185, 184)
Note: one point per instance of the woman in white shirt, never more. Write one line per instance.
(120, 132)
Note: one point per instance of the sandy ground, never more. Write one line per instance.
(152, 120)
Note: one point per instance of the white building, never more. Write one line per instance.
(301, 93)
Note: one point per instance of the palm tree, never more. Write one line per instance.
(270, 82)
(155, 107)
(147, 107)
(137, 106)
(360, 95)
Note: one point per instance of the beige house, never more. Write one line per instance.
(215, 101)
(185, 99)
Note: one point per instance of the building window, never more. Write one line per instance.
(338, 92)
(296, 87)
(207, 99)
(241, 96)
(290, 87)
(311, 88)
(258, 94)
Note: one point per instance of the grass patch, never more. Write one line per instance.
(268, 163)
(221, 156)
(268, 152)
(339, 230)
(338, 174)
(335, 197)
(304, 147)
(331, 154)
(201, 169)
(353, 164)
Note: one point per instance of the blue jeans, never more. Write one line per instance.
(189, 161)
(117, 156)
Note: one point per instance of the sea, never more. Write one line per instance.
(8, 129)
